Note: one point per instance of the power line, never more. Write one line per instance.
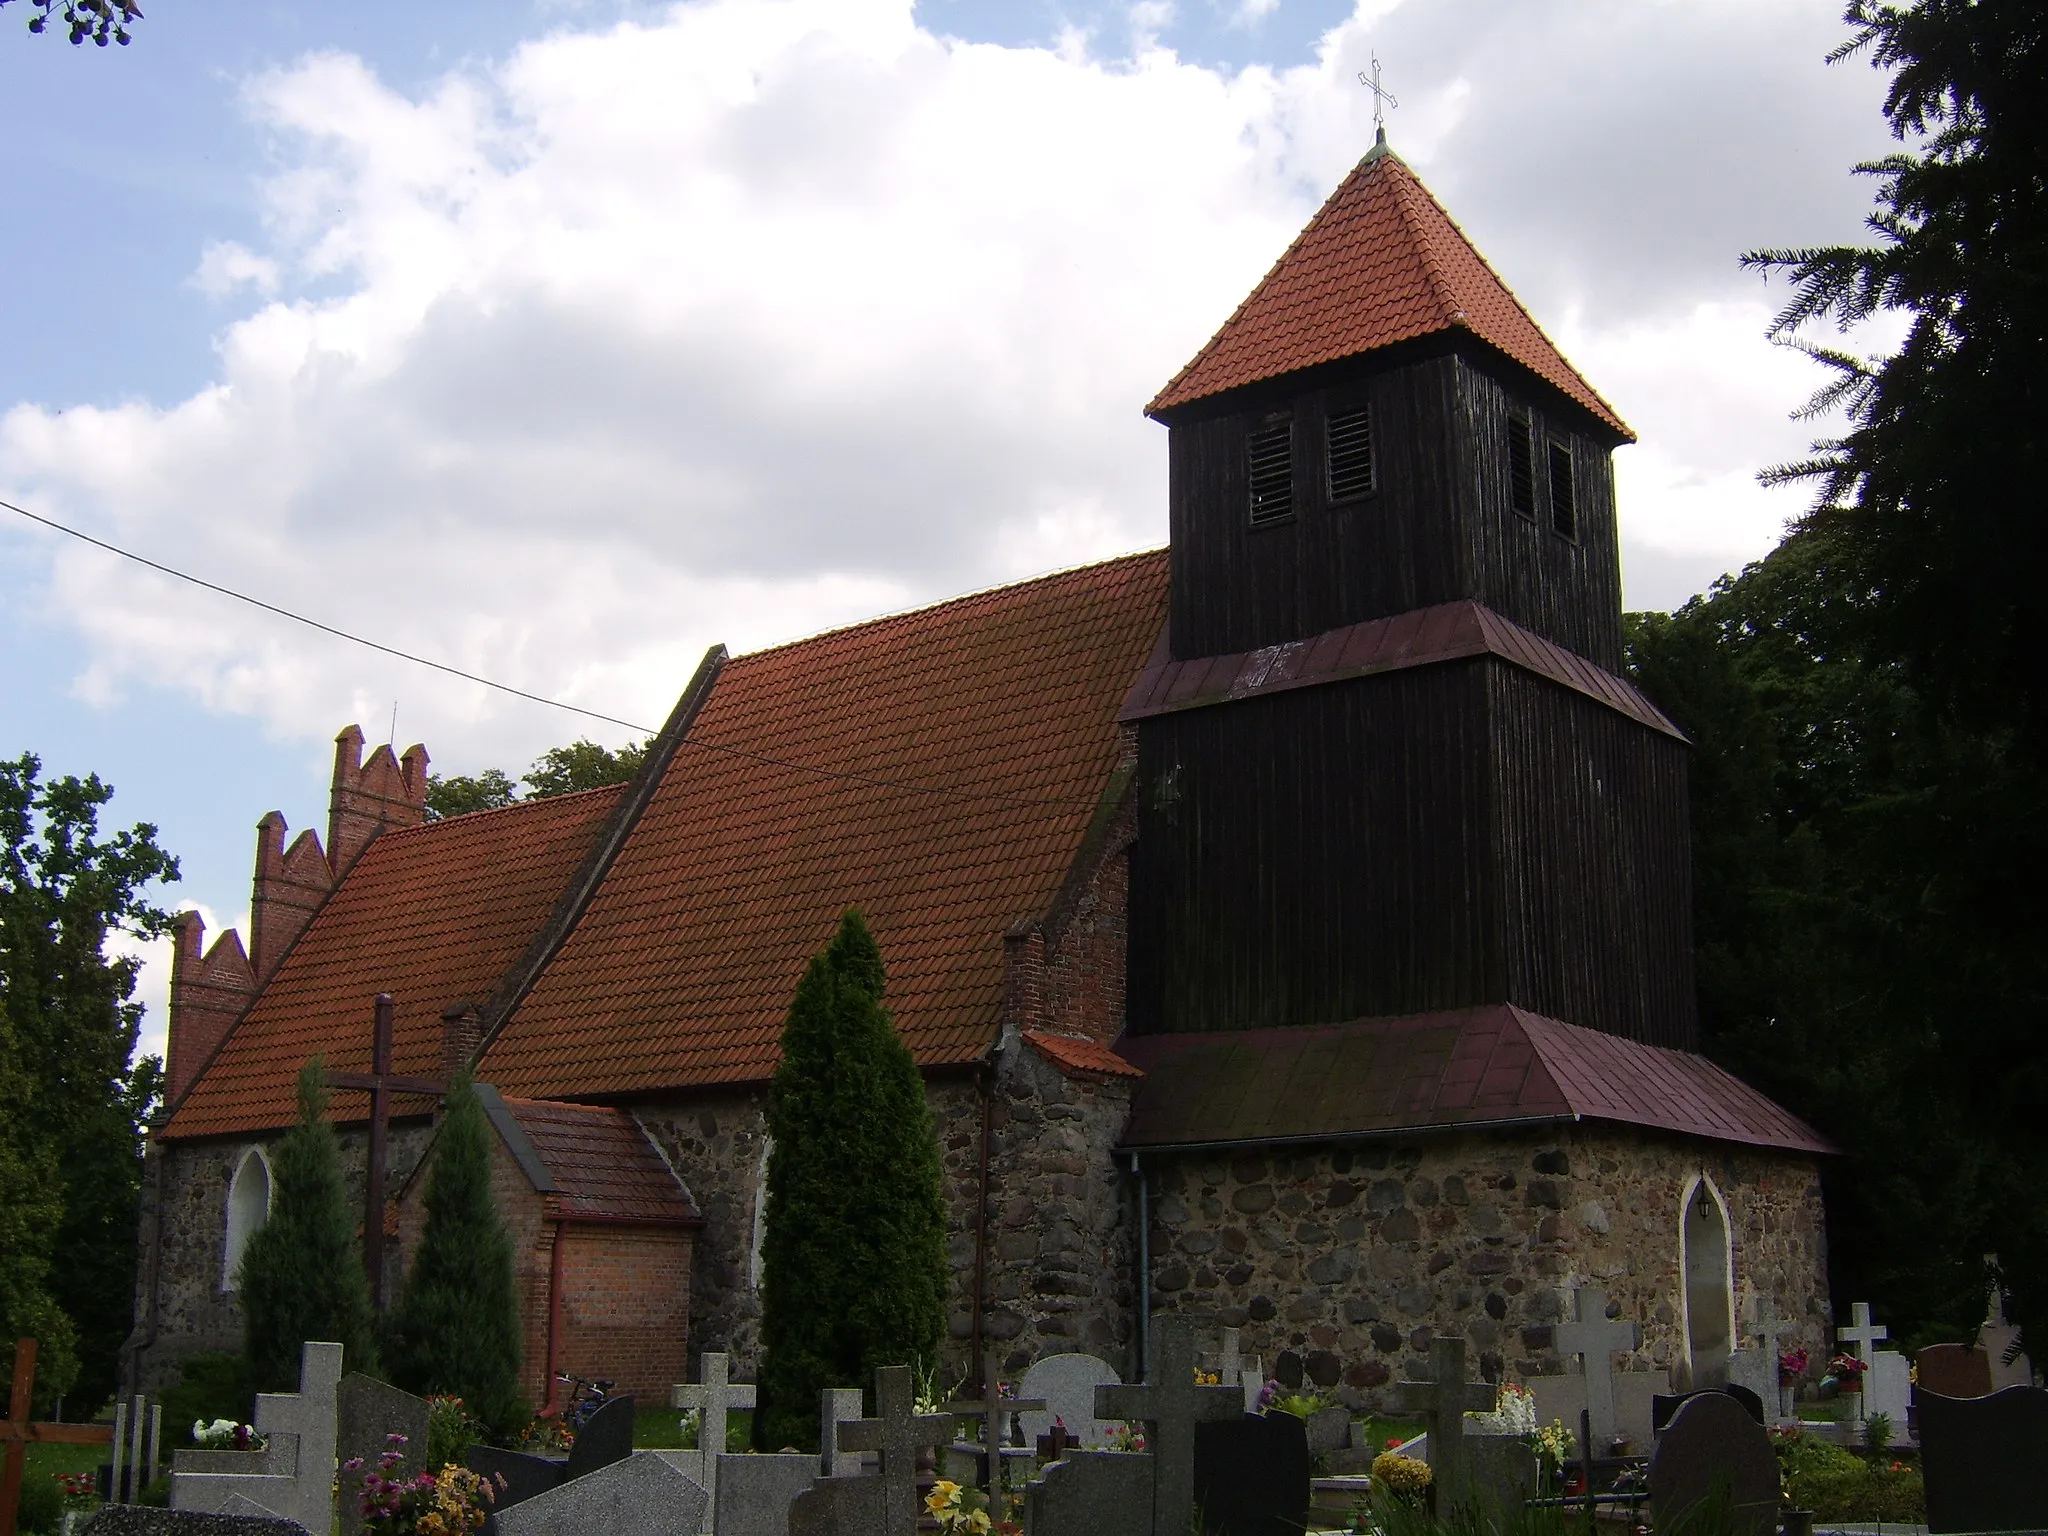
(535, 698)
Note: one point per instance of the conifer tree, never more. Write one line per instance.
(854, 1254)
(457, 1328)
(302, 1276)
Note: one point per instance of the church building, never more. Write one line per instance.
(1292, 925)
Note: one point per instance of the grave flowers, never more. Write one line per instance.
(964, 1511)
(1792, 1366)
(226, 1435)
(1845, 1372)
(450, 1502)
(1403, 1476)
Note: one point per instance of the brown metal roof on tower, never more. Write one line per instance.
(1380, 263)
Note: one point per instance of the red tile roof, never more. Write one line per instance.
(1076, 1055)
(1468, 1067)
(783, 806)
(1381, 262)
(1443, 633)
(433, 915)
(602, 1165)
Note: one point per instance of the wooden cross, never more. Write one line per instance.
(712, 1399)
(1381, 99)
(994, 1410)
(380, 1082)
(1172, 1405)
(18, 1434)
(1444, 1401)
(1596, 1337)
(899, 1433)
(1766, 1316)
(1862, 1332)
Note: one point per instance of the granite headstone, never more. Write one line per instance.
(1067, 1383)
(634, 1495)
(367, 1413)
(294, 1475)
(1954, 1370)
(755, 1492)
(1664, 1409)
(1715, 1443)
(145, 1520)
(1888, 1389)
(840, 1506)
(1985, 1460)
(1252, 1475)
(1089, 1493)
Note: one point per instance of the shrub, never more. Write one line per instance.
(457, 1329)
(854, 1252)
(302, 1273)
(41, 1507)
(209, 1386)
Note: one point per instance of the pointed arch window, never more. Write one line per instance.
(1707, 1264)
(248, 1209)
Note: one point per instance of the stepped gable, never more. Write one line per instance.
(683, 965)
(434, 915)
(1380, 263)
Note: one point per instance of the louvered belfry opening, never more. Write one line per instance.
(1350, 456)
(1270, 450)
(1564, 506)
(1521, 467)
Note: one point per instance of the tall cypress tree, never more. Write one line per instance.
(457, 1328)
(302, 1274)
(854, 1255)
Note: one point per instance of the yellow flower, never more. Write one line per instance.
(944, 1496)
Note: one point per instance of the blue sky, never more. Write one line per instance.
(560, 340)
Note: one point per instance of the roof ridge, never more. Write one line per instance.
(1449, 304)
(498, 810)
(900, 614)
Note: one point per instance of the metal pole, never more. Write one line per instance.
(120, 1442)
(156, 1430)
(1144, 1266)
(1586, 1451)
(373, 1195)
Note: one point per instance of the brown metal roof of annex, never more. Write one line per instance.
(939, 769)
(1380, 263)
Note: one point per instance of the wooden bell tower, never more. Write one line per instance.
(1388, 765)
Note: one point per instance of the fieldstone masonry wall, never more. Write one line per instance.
(1342, 1264)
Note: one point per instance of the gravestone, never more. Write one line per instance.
(713, 1396)
(841, 1506)
(606, 1437)
(294, 1476)
(1999, 1336)
(1595, 1337)
(1664, 1409)
(516, 1475)
(1888, 1389)
(837, 1406)
(1562, 1398)
(755, 1492)
(635, 1495)
(1090, 1493)
(1861, 1334)
(1067, 1385)
(898, 1432)
(1716, 1442)
(1252, 1475)
(1502, 1471)
(1985, 1460)
(1756, 1373)
(1170, 1405)
(143, 1520)
(367, 1413)
(995, 1413)
(1764, 1319)
(1954, 1370)
(1443, 1402)
(1235, 1368)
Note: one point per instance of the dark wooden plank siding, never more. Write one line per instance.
(1594, 862)
(1315, 856)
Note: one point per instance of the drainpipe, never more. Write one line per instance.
(147, 1330)
(555, 1315)
(1144, 1264)
(981, 1079)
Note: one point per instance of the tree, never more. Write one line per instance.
(97, 21)
(301, 1276)
(29, 1216)
(1937, 482)
(557, 771)
(457, 1328)
(82, 1102)
(854, 1254)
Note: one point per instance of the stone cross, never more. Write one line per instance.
(17, 1433)
(1766, 1316)
(1596, 1337)
(711, 1399)
(899, 1433)
(1862, 1333)
(1443, 1402)
(1172, 1405)
(836, 1406)
(380, 1082)
(994, 1411)
(311, 1417)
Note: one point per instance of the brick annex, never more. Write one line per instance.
(1292, 925)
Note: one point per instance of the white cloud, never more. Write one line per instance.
(773, 315)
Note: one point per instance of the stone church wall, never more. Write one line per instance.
(1340, 1265)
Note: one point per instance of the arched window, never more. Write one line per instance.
(1709, 1284)
(248, 1209)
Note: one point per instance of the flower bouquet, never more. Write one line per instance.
(1792, 1366)
(226, 1435)
(445, 1503)
(963, 1511)
(1846, 1372)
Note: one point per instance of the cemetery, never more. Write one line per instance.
(1204, 1043)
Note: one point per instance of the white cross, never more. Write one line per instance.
(1767, 1328)
(1596, 1336)
(1862, 1333)
(711, 1400)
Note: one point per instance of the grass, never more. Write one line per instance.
(661, 1429)
(1374, 1432)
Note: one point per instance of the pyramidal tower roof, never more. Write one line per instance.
(1381, 262)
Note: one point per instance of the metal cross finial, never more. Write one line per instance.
(1382, 98)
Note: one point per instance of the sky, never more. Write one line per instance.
(557, 341)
